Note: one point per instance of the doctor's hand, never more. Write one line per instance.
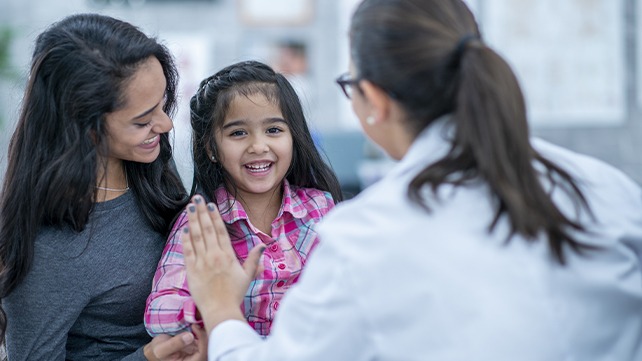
(216, 280)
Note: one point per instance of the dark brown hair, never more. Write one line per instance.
(430, 57)
(210, 105)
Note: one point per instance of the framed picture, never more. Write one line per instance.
(276, 12)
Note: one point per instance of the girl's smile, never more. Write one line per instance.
(259, 168)
(255, 145)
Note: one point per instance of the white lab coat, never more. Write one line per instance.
(393, 282)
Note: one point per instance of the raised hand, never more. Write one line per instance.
(216, 279)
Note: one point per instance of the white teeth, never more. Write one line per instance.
(150, 140)
(258, 167)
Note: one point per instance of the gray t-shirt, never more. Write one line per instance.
(84, 297)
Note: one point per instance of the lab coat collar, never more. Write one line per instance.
(432, 144)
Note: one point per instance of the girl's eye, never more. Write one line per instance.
(274, 130)
(238, 133)
(142, 125)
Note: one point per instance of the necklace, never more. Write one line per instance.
(116, 189)
(113, 189)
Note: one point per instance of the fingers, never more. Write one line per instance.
(201, 337)
(201, 341)
(188, 249)
(251, 264)
(195, 230)
(210, 236)
(167, 347)
(207, 226)
(202, 232)
(221, 230)
(208, 231)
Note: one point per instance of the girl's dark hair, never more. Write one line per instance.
(429, 56)
(209, 107)
(80, 69)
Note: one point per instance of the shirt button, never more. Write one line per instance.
(274, 248)
(281, 265)
(280, 284)
(276, 305)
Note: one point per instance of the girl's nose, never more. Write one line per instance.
(258, 146)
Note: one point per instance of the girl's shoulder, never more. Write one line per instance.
(311, 199)
(180, 221)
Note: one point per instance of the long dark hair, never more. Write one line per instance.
(210, 105)
(79, 71)
(429, 56)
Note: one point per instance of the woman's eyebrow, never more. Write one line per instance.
(141, 115)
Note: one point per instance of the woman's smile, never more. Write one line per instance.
(151, 143)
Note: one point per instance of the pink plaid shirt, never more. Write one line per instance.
(170, 308)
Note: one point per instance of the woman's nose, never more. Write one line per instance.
(162, 123)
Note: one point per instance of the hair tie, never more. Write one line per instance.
(463, 43)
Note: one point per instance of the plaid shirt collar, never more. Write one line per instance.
(232, 211)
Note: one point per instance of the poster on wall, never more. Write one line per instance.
(569, 56)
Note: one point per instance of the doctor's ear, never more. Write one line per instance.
(378, 100)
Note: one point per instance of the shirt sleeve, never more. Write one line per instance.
(170, 308)
(319, 319)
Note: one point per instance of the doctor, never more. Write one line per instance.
(482, 243)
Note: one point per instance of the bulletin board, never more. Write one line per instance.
(569, 56)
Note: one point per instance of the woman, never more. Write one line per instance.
(481, 244)
(89, 193)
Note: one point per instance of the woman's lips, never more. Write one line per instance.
(150, 143)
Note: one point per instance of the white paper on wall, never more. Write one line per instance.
(568, 55)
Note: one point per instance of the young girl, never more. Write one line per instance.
(255, 158)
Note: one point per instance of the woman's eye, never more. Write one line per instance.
(274, 130)
(142, 125)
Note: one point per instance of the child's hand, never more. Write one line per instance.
(216, 280)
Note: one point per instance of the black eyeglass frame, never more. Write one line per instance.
(345, 81)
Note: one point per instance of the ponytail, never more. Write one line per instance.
(492, 143)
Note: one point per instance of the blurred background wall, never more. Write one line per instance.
(578, 61)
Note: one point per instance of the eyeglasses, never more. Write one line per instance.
(346, 83)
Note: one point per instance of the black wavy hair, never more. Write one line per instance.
(210, 105)
(80, 68)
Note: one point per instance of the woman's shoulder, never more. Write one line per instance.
(590, 172)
